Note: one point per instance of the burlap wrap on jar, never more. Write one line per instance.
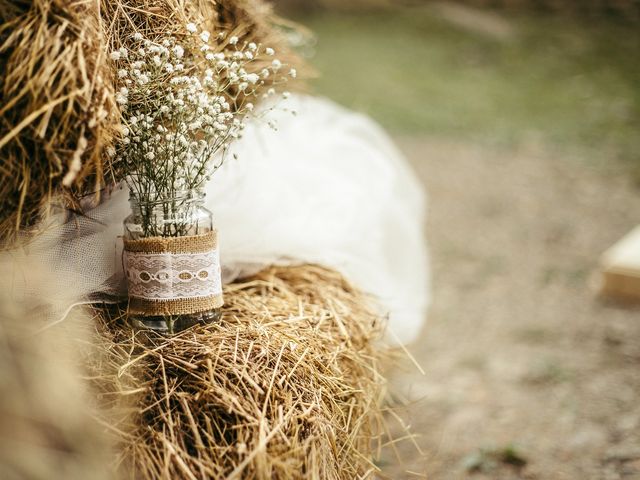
(173, 275)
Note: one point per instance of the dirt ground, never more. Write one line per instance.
(528, 374)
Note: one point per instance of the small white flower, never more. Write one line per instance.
(269, 51)
(293, 72)
(124, 53)
(204, 36)
(157, 61)
(115, 56)
(252, 78)
(125, 131)
(264, 73)
(248, 55)
(142, 52)
(276, 64)
(210, 56)
(249, 106)
(111, 151)
(233, 40)
(191, 27)
(178, 51)
(124, 91)
(286, 94)
(122, 73)
(169, 68)
(150, 155)
(243, 86)
(252, 46)
(137, 36)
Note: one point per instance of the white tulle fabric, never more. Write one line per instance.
(327, 187)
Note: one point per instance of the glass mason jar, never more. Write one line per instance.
(171, 263)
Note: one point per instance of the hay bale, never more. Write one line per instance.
(57, 106)
(286, 386)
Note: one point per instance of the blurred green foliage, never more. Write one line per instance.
(560, 81)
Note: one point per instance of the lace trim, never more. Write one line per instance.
(172, 276)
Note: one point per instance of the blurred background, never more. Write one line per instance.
(522, 118)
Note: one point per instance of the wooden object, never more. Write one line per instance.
(620, 268)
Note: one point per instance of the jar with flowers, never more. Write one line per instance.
(184, 100)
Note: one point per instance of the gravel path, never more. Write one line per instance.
(524, 365)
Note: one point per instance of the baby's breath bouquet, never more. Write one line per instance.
(183, 104)
(184, 101)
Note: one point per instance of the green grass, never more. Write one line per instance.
(563, 82)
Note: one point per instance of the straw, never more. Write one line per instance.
(286, 386)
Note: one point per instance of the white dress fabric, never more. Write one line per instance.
(326, 187)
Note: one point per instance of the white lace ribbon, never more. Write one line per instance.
(173, 276)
